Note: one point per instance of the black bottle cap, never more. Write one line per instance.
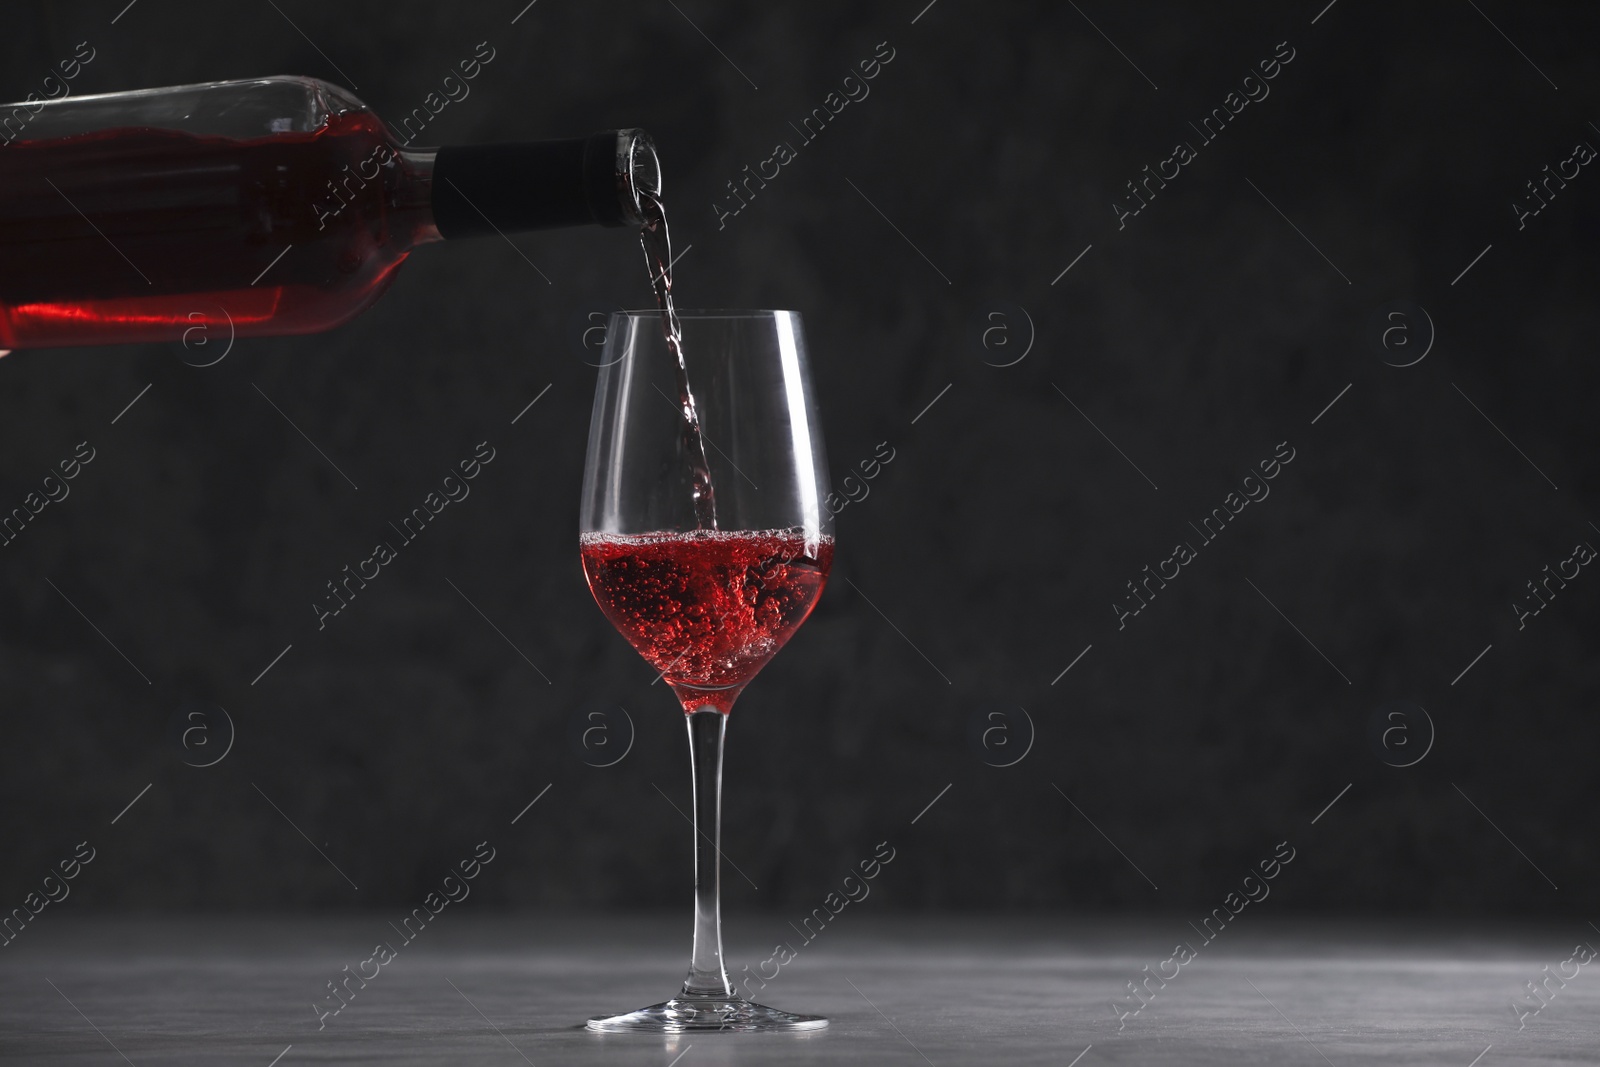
(537, 185)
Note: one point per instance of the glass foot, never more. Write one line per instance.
(682, 1014)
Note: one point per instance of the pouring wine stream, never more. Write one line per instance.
(657, 242)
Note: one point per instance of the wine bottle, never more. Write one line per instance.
(269, 206)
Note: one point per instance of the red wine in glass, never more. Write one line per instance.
(706, 608)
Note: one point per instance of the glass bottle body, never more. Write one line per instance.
(272, 206)
(277, 206)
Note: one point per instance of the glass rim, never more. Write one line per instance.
(709, 313)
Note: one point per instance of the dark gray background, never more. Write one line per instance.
(1197, 338)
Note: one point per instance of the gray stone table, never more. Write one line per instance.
(477, 989)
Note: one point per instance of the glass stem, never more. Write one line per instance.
(706, 977)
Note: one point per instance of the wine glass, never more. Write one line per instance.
(708, 569)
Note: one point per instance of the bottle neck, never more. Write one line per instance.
(411, 205)
(476, 190)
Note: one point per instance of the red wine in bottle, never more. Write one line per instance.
(271, 206)
(707, 608)
(657, 242)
